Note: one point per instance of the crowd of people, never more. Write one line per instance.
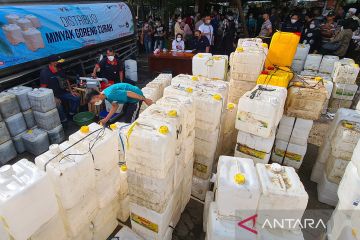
(327, 33)
(215, 33)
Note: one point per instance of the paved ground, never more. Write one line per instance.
(190, 226)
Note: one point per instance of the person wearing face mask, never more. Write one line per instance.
(54, 78)
(200, 43)
(311, 32)
(178, 44)
(294, 25)
(120, 93)
(207, 30)
(110, 68)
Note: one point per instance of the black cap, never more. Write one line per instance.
(331, 14)
(55, 58)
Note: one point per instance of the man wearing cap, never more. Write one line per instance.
(207, 30)
(53, 77)
(200, 43)
(120, 93)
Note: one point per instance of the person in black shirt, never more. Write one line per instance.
(311, 33)
(200, 43)
(294, 25)
(53, 77)
(110, 68)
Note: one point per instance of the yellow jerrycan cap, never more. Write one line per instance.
(200, 55)
(318, 79)
(172, 113)
(265, 45)
(30, 131)
(348, 125)
(164, 130)
(84, 129)
(239, 49)
(195, 78)
(217, 97)
(113, 126)
(230, 106)
(189, 90)
(239, 178)
(123, 168)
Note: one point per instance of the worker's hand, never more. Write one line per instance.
(103, 122)
(148, 101)
(93, 75)
(57, 101)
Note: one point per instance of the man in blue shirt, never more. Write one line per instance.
(120, 93)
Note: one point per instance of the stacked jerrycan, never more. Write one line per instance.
(344, 76)
(275, 76)
(175, 117)
(228, 132)
(85, 174)
(281, 188)
(345, 219)
(236, 181)
(186, 107)
(301, 54)
(210, 66)
(267, 192)
(99, 140)
(154, 90)
(316, 65)
(259, 113)
(246, 63)
(23, 183)
(335, 154)
(306, 98)
(291, 141)
(208, 96)
(16, 122)
(313, 62)
(46, 115)
(12, 123)
(150, 151)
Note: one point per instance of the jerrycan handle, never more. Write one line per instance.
(146, 126)
(173, 99)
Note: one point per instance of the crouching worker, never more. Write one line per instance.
(120, 93)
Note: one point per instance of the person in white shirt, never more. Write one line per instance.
(207, 30)
(178, 43)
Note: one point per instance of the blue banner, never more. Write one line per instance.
(32, 32)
